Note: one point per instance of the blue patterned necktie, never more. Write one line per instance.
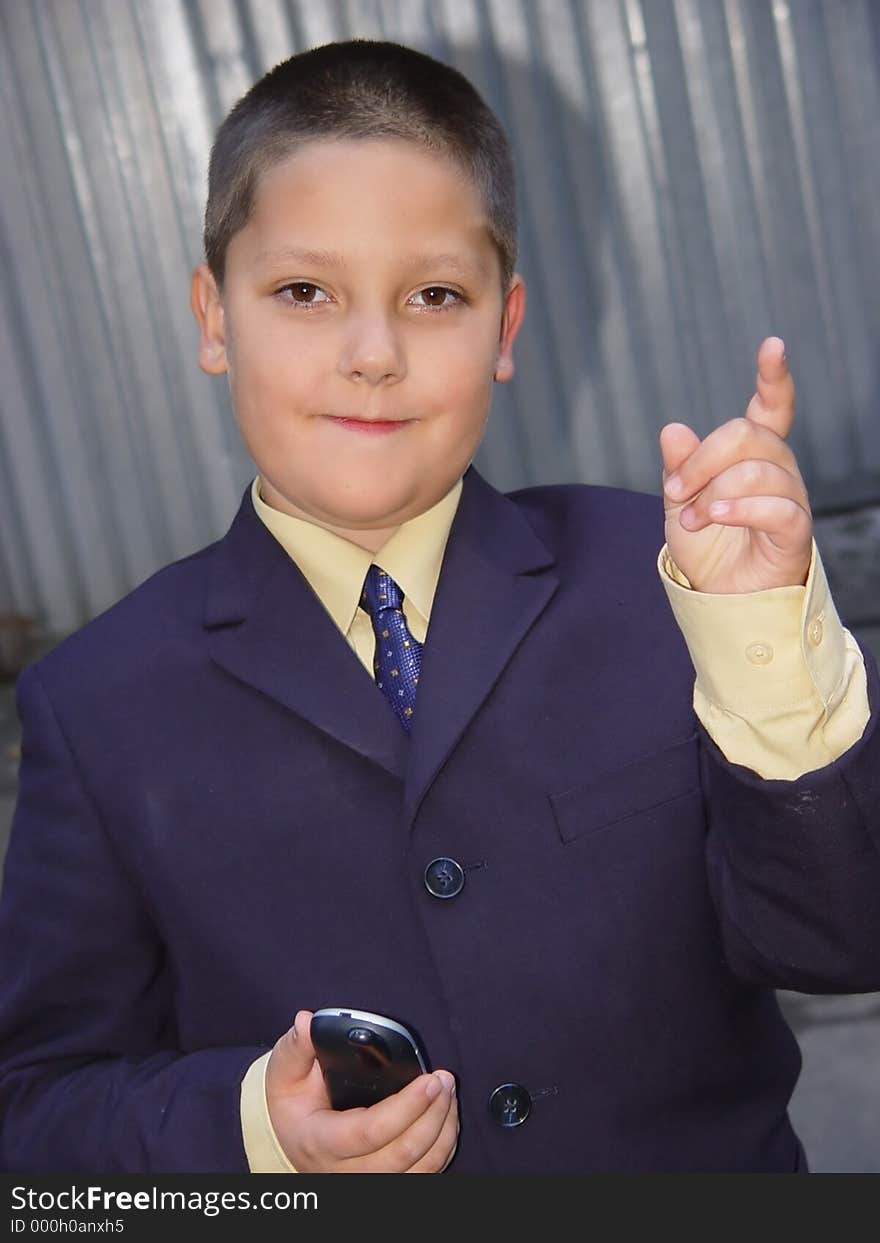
(398, 656)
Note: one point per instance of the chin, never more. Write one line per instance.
(366, 507)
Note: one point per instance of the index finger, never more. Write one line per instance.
(358, 1132)
(773, 402)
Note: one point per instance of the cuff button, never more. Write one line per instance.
(759, 653)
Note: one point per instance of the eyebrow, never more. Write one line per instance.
(327, 259)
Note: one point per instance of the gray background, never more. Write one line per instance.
(693, 174)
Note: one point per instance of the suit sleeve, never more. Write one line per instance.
(90, 1075)
(788, 705)
(794, 866)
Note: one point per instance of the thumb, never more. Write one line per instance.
(293, 1055)
(677, 443)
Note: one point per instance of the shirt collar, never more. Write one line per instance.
(335, 568)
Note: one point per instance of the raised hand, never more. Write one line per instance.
(414, 1131)
(737, 514)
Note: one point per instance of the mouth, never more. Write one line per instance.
(375, 427)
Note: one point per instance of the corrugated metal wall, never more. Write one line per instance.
(694, 175)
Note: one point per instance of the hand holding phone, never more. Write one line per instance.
(415, 1129)
(364, 1056)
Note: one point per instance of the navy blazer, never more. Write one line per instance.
(220, 821)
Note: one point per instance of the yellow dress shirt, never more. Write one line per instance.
(780, 683)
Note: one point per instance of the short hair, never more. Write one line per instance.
(357, 89)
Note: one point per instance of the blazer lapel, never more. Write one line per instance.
(488, 597)
(266, 627)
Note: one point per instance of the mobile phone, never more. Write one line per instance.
(365, 1057)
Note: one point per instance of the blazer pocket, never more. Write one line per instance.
(627, 791)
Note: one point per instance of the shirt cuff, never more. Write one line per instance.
(262, 1149)
(780, 683)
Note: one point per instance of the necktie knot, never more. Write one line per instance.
(380, 592)
(397, 659)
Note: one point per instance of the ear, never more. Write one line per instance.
(511, 318)
(208, 310)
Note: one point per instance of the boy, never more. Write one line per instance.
(402, 743)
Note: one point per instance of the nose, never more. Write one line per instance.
(372, 350)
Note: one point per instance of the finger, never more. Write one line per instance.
(773, 403)
(735, 441)
(677, 443)
(413, 1146)
(785, 523)
(441, 1152)
(350, 1133)
(753, 477)
(293, 1056)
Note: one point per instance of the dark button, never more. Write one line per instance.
(372, 1050)
(510, 1104)
(444, 878)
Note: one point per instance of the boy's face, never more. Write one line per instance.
(365, 286)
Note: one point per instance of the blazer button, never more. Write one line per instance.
(510, 1104)
(444, 878)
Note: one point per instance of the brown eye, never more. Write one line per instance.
(302, 293)
(436, 296)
